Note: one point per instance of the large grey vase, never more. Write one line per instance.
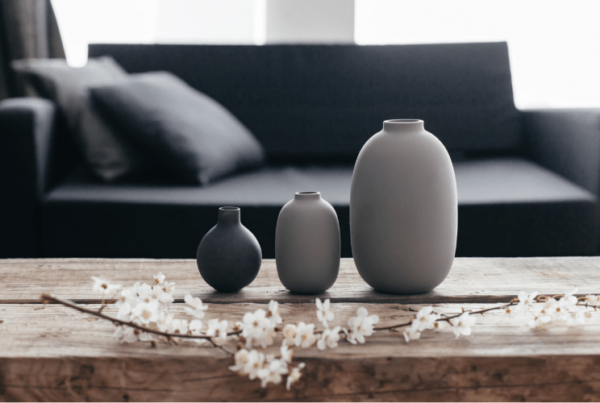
(307, 244)
(229, 256)
(403, 209)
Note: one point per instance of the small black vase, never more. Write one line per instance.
(229, 256)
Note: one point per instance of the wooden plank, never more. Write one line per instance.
(53, 353)
(472, 280)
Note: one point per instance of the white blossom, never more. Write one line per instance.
(128, 334)
(539, 321)
(195, 308)
(255, 363)
(272, 372)
(324, 312)
(165, 322)
(440, 325)
(569, 301)
(217, 329)
(258, 329)
(593, 299)
(160, 277)
(144, 292)
(329, 338)
(103, 285)
(526, 301)
(412, 333)
(179, 326)
(294, 375)
(161, 296)
(129, 294)
(274, 312)
(145, 312)
(289, 334)
(462, 324)
(286, 353)
(268, 336)
(304, 335)
(241, 362)
(167, 287)
(124, 312)
(195, 327)
(361, 326)
(577, 317)
(425, 319)
(550, 307)
(559, 309)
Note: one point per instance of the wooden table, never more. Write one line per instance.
(50, 352)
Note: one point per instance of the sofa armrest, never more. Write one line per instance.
(566, 141)
(26, 133)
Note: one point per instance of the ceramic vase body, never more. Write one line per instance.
(403, 209)
(229, 256)
(307, 244)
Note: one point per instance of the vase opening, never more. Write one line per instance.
(403, 125)
(229, 208)
(307, 195)
(229, 215)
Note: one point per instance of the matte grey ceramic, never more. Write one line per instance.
(307, 244)
(403, 209)
(229, 255)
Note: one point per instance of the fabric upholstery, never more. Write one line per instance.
(108, 155)
(26, 131)
(566, 141)
(190, 133)
(325, 101)
(507, 207)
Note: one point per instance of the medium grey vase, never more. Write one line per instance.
(307, 244)
(229, 256)
(403, 209)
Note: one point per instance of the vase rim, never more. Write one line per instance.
(403, 125)
(402, 121)
(229, 208)
(307, 195)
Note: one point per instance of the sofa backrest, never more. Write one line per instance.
(325, 101)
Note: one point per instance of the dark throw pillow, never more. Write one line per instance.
(109, 156)
(192, 133)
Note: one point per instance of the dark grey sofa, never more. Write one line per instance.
(528, 181)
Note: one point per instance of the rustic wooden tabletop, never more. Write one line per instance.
(50, 352)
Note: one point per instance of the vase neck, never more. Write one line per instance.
(307, 196)
(403, 126)
(229, 215)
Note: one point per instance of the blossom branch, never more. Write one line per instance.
(49, 298)
(448, 318)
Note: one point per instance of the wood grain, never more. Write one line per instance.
(53, 353)
(49, 352)
(471, 280)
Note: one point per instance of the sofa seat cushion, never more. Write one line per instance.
(507, 207)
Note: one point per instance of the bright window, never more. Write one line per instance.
(554, 45)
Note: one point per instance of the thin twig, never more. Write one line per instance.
(49, 298)
(447, 318)
(214, 343)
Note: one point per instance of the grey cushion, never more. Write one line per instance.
(325, 101)
(107, 154)
(507, 207)
(193, 134)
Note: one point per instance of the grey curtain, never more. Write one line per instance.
(28, 29)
